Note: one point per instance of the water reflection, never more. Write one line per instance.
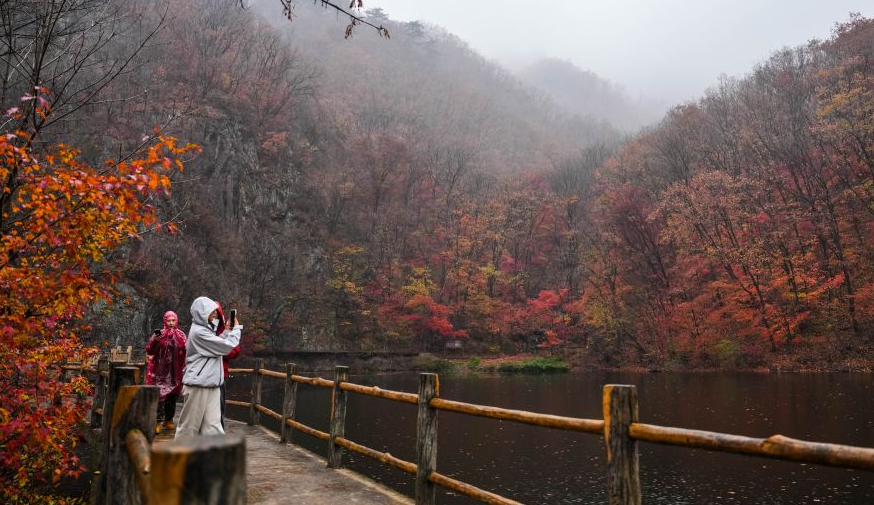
(543, 466)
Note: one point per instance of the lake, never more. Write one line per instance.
(537, 465)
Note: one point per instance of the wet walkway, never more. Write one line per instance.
(285, 474)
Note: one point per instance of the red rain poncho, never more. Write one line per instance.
(166, 359)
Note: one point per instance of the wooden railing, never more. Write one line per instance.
(124, 355)
(192, 471)
(620, 428)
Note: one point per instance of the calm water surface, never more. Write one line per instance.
(543, 466)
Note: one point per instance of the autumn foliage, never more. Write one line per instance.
(739, 229)
(423, 209)
(366, 201)
(372, 202)
(60, 219)
(735, 233)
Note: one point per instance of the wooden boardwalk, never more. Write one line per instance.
(251, 465)
(285, 473)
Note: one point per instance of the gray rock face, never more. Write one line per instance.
(127, 321)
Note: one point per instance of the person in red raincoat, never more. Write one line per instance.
(166, 362)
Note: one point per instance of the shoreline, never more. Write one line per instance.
(529, 363)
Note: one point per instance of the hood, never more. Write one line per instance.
(200, 310)
(172, 314)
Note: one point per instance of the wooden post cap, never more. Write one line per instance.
(196, 470)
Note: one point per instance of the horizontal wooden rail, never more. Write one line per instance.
(71, 367)
(140, 453)
(348, 386)
(620, 416)
(306, 429)
(271, 373)
(468, 490)
(777, 446)
(264, 410)
(132, 471)
(384, 457)
(238, 403)
(380, 393)
(595, 426)
(315, 381)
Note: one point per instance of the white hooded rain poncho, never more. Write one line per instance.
(204, 351)
(201, 410)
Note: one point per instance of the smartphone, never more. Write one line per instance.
(157, 332)
(233, 320)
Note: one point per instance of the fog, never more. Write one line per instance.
(670, 50)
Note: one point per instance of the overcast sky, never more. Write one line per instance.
(670, 50)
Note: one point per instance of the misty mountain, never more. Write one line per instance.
(395, 194)
(429, 83)
(582, 92)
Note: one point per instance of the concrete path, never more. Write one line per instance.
(287, 474)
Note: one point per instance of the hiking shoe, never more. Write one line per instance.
(168, 425)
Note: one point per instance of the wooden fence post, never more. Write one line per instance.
(98, 406)
(197, 470)
(257, 378)
(113, 364)
(289, 402)
(623, 463)
(426, 439)
(119, 376)
(143, 369)
(338, 418)
(134, 411)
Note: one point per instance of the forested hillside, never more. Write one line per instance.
(738, 231)
(395, 194)
(327, 167)
(399, 194)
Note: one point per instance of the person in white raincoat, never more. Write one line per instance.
(201, 411)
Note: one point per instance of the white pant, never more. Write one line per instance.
(201, 412)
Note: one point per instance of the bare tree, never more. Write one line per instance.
(354, 20)
(64, 51)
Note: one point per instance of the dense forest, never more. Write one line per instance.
(395, 194)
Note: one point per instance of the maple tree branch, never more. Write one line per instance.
(287, 6)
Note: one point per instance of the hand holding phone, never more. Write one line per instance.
(233, 319)
(157, 332)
